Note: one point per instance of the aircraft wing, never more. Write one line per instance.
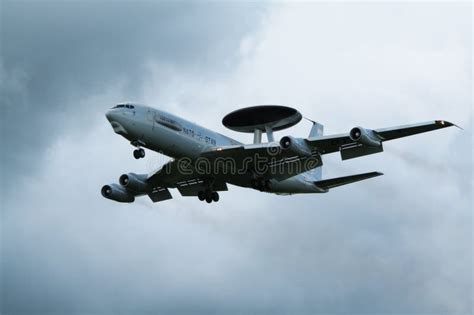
(181, 175)
(413, 129)
(266, 160)
(170, 174)
(281, 164)
(351, 149)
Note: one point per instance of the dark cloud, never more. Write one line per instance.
(55, 53)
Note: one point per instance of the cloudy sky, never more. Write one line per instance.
(400, 243)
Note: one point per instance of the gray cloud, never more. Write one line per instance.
(56, 53)
(401, 243)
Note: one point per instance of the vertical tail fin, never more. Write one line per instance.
(317, 130)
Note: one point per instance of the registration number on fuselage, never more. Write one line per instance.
(199, 136)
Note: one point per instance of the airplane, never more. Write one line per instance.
(204, 162)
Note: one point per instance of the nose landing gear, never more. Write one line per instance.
(139, 153)
(209, 196)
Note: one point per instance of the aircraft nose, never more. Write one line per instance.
(117, 121)
(110, 115)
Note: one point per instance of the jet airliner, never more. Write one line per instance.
(204, 162)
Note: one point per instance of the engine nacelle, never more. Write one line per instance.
(117, 193)
(296, 145)
(133, 182)
(365, 136)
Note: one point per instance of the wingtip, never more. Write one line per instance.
(445, 123)
(458, 126)
(373, 174)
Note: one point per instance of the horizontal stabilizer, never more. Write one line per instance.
(339, 181)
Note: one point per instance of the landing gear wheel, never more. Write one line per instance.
(139, 153)
(201, 195)
(215, 196)
(208, 199)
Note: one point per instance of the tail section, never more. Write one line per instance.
(317, 130)
(339, 181)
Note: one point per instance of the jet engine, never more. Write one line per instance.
(296, 145)
(133, 182)
(365, 136)
(117, 193)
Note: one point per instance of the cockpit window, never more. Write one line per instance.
(123, 105)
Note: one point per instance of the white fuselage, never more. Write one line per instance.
(176, 137)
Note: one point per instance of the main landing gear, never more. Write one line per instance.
(139, 153)
(209, 196)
